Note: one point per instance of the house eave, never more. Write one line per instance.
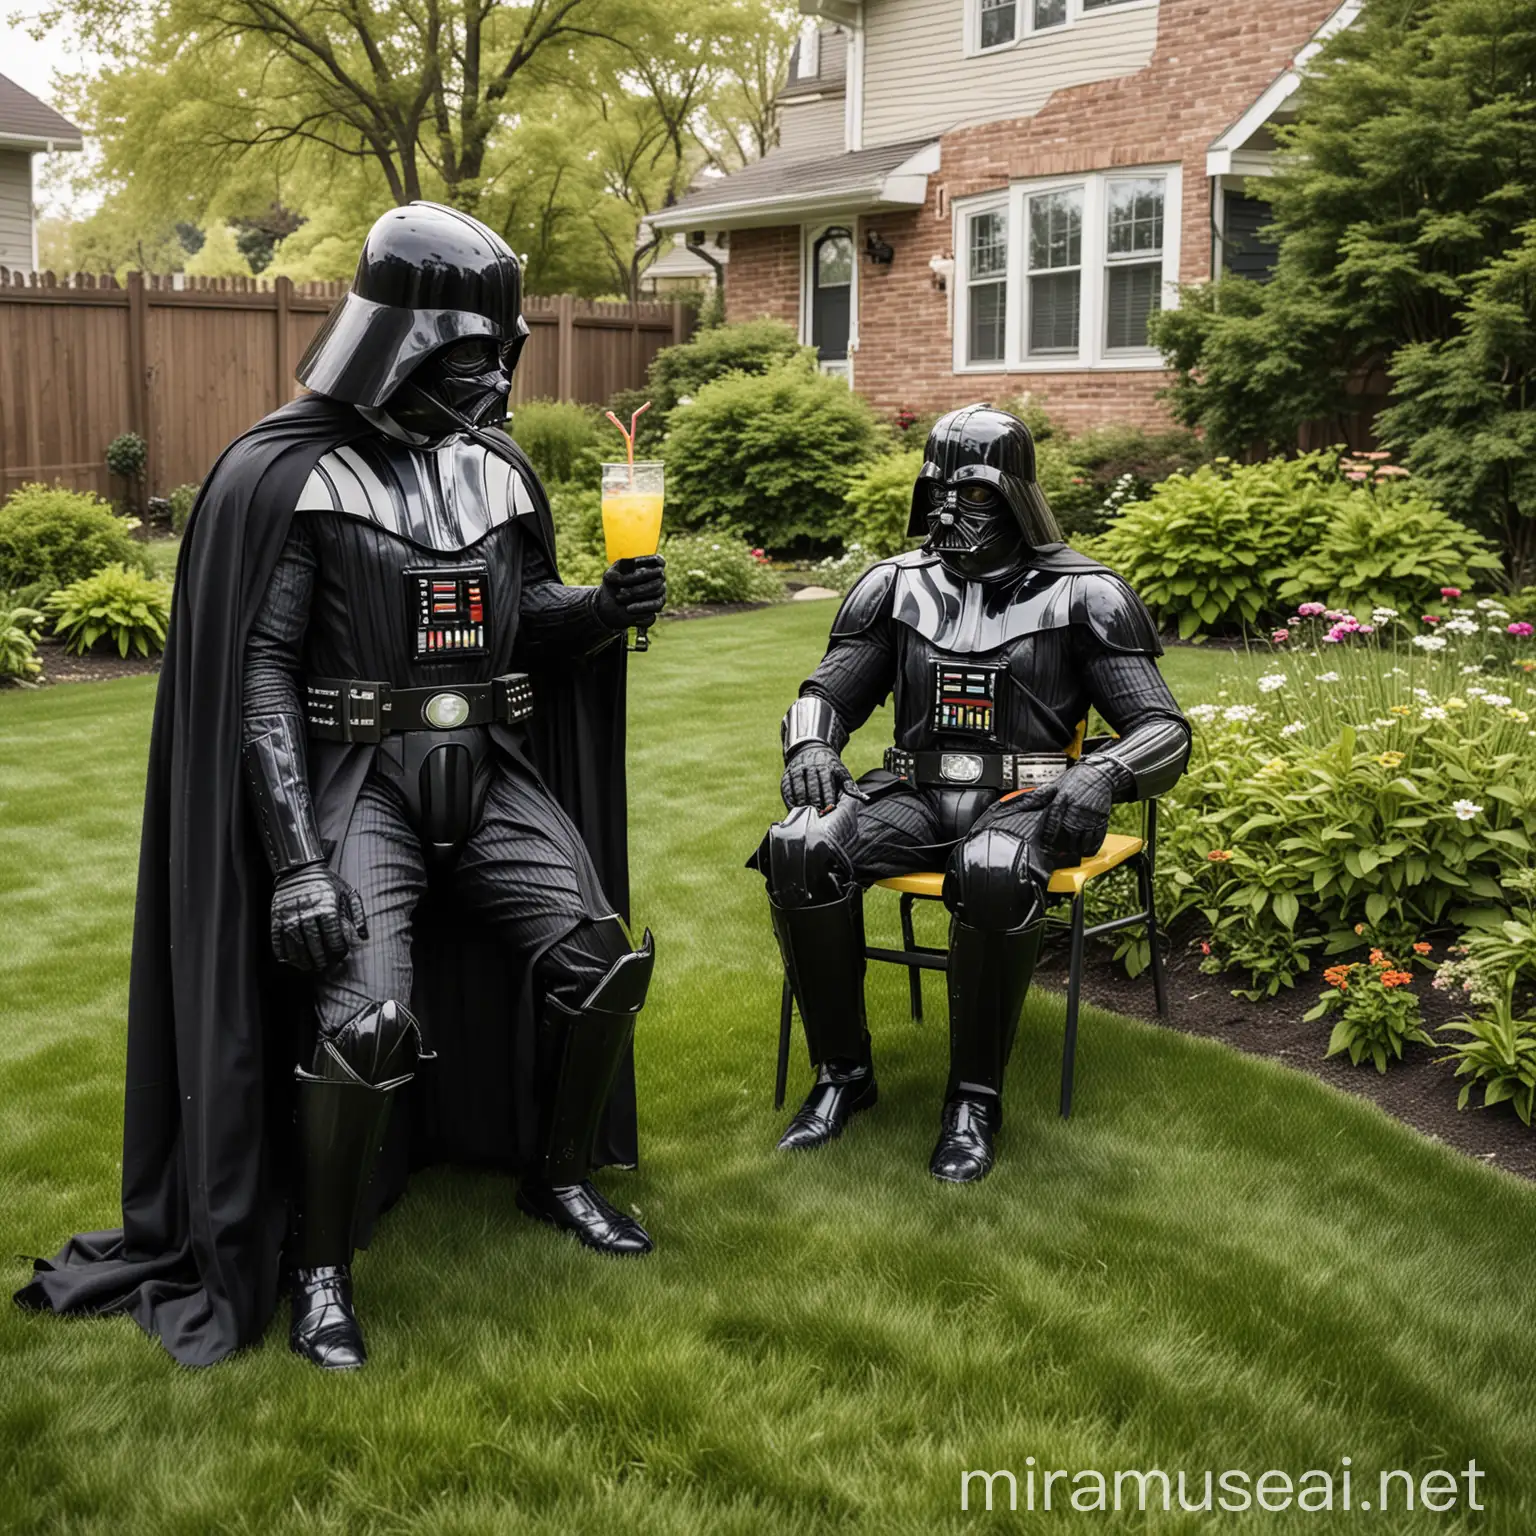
(32, 144)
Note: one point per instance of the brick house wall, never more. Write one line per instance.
(1212, 60)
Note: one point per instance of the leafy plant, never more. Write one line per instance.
(564, 440)
(705, 569)
(182, 500)
(50, 536)
(1387, 548)
(1090, 478)
(18, 641)
(1498, 1052)
(1206, 550)
(117, 603)
(578, 515)
(127, 454)
(771, 456)
(1377, 1007)
(879, 505)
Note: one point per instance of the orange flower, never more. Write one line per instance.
(1421, 948)
(1377, 958)
(1396, 978)
(1359, 928)
(1338, 976)
(1218, 855)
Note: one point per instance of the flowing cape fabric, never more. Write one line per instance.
(215, 1026)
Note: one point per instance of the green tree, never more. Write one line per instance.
(1400, 207)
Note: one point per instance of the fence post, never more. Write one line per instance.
(284, 287)
(565, 309)
(138, 374)
(679, 322)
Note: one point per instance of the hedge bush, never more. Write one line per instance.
(565, 442)
(705, 569)
(578, 514)
(770, 455)
(182, 500)
(50, 536)
(878, 505)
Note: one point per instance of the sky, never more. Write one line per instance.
(31, 65)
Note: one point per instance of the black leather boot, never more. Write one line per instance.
(989, 975)
(579, 1052)
(342, 1114)
(823, 949)
(842, 1089)
(325, 1329)
(967, 1130)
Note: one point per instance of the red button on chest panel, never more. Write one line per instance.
(448, 611)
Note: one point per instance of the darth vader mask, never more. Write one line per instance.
(971, 528)
(468, 380)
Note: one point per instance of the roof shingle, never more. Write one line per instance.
(23, 117)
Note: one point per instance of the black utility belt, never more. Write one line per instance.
(976, 770)
(354, 709)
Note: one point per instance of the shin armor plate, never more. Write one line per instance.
(823, 949)
(989, 975)
(343, 1109)
(579, 1051)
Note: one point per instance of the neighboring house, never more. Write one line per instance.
(977, 198)
(679, 268)
(27, 127)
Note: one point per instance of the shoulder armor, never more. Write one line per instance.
(1103, 603)
(868, 599)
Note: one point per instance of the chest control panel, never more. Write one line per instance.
(965, 699)
(448, 611)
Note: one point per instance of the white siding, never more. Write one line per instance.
(918, 79)
(15, 210)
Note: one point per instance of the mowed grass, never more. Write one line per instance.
(1215, 1264)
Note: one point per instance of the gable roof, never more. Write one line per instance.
(30, 124)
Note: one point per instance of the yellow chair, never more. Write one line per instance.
(1117, 850)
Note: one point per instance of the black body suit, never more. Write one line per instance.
(996, 641)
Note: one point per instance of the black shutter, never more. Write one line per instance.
(1244, 252)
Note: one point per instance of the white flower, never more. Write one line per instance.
(1486, 603)
(1421, 693)
(1474, 691)
(1460, 626)
(1498, 700)
(1293, 727)
(1235, 714)
(1383, 721)
(1495, 629)
(1381, 615)
(1272, 681)
(1201, 712)
(1466, 810)
(1327, 677)
(1464, 613)
(1397, 672)
(1476, 666)
(1430, 642)
(1433, 712)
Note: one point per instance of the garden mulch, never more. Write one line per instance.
(1420, 1090)
(61, 666)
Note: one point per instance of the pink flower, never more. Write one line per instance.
(1367, 629)
(1450, 591)
(1280, 636)
(1521, 628)
(1431, 618)
(1354, 474)
(1311, 610)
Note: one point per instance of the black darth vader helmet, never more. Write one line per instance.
(429, 276)
(976, 450)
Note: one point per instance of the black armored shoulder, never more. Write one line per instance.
(869, 598)
(1103, 603)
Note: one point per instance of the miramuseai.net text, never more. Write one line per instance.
(1042, 1490)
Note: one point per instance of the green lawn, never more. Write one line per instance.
(1216, 1264)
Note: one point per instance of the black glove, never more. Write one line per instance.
(1074, 811)
(633, 592)
(315, 917)
(815, 776)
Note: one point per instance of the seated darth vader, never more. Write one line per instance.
(996, 640)
(365, 576)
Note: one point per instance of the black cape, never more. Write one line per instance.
(215, 1025)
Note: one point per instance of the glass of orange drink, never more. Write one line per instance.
(632, 500)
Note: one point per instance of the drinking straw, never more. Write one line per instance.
(629, 436)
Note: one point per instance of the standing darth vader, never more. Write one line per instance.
(385, 822)
(996, 640)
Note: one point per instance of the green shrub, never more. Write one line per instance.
(1382, 547)
(578, 514)
(127, 455)
(120, 604)
(705, 569)
(1498, 1051)
(1207, 550)
(182, 500)
(50, 536)
(565, 442)
(18, 641)
(1373, 781)
(878, 505)
(1377, 1007)
(1106, 468)
(770, 455)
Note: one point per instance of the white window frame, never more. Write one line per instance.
(809, 235)
(1092, 355)
(998, 203)
(1025, 31)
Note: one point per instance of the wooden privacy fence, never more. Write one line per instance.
(190, 363)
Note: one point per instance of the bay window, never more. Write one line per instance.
(1067, 273)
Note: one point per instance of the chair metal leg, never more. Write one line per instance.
(1154, 944)
(786, 1024)
(1074, 989)
(909, 943)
